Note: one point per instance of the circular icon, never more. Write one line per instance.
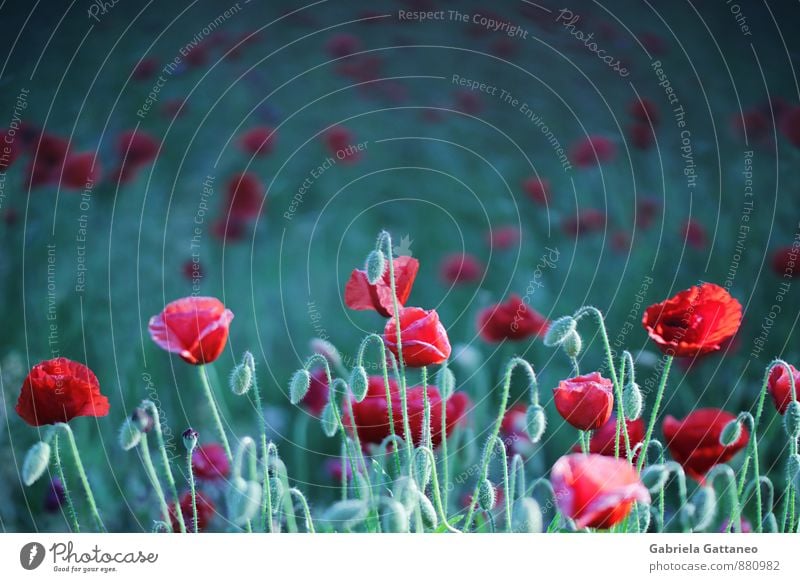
(31, 555)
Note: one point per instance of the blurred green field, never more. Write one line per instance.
(440, 177)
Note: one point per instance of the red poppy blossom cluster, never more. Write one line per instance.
(694, 322)
(513, 320)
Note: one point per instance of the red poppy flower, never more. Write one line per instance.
(423, 337)
(785, 262)
(537, 189)
(80, 170)
(48, 159)
(360, 295)
(596, 491)
(587, 221)
(174, 108)
(10, 149)
(780, 387)
(790, 126)
(604, 439)
(136, 148)
(585, 401)
(205, 512)
(621, 242)
(196, 328)
(694, 441)
(513, 431)
(341, 45)
(644, 110)
(752, 124)
(209, 462)
(229, 229)
(468, 102)
(361, 68)
(145, 69)
(503, 237)
(592, 150)
(59, 390)
(646, 210)
(258, 141)
(694, 322)
(694, 234)
(317, 396)
(371, 415)
(461, 268)
(340, 141)
(513, 320)
(641, 136)
(245, 196)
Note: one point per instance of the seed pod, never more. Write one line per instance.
(526, 516)
(793, 470)
(705, 504)
(346, 514)
(190, 438)
(632, 401)
(328, 420)
(129, 435)
(275, 492)
(487, 496)
(35, 464)
(535, 422)
(299, 385)
(572, 344)
(241, 380)
(422, 470)
(559, 330)
(249, 362)
(359, 383)
(394, 518)
(791, 419)
(429, 517)
(446, 381)
(730, 433)
(375, 266)
(655, 477)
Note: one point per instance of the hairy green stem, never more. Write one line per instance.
(81, 473)
(214, 410)
(152, 410)
(150, 469)
(72, 515)
(654, 414)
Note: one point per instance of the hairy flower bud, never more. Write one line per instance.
(359, 383)
(791, 419)
(328, 420)
(190, 438)
(35, 464)
(241, 379)
(655, 478)
(429, 517)
(705, 507)
(299, 385)
(346, 514)
(730, 433)
(793, 470)
(422, 470)
(559, 330)
(129, 435)
(632, 401)
(446, 381)
(487, 496)
(375, 266)
(526, 516)
(535, 422)
(394, 518)
(572, 344)
(141, 419)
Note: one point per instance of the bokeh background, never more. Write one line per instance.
(446, 168)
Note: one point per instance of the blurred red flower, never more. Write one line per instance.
(641, 136)
(694, 441)
(244, 196)
(785, 262)
(513, 431)
(646, 210)
(317, 396)
(537, 189)
(80, 170)
(48, 160)
(423, 337)
(59, 390)
(780, 387)
(145, 69)
(596, 491)
(360, 295)
(694, 322)
(205, 512)
(209, 462)
(341, 45)
(513, 320)
(372, 414)
(585, 401)
(586, 221)
(503, 237)
(258, 141)
(644, 110)
(340, 142)
(196, 328)
(751, 124)
(461, 268)
(694, 234)
(136, 148)
(592, 150)
(790, 126)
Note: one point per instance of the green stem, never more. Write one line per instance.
(81, 474)
(306, 512)
(192, 488)
(214, 411)
(152, 409)
(150, 469)
(654, 415)
(266, 503)
(445, 462)
(72, 515)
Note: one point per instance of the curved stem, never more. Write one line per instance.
(214, 411)
(437, 499)
(304, 504)
(152, 409)
(150, 469)
(81, 473)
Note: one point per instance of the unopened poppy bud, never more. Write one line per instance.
(346, 513)
(705, 507)
(559, 330)
(793, 470)
(327, 350)
(275, 491)
(244, 500)
(359, 383)
(141, 419)
(394, 518)
(526, 516)
(328, 420)
(375, 266)
(429, 517)
(361, 484)
(535, 422)
(769, 524)
(572, 344)
(632, 401)
(791, 419)
(241, 379)
(730, 433)
(422, 470)
(190, 438)
(446, 381)
(487, 496)
(299, 385)
(35, 464)
(129, 435)
(655, 478)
